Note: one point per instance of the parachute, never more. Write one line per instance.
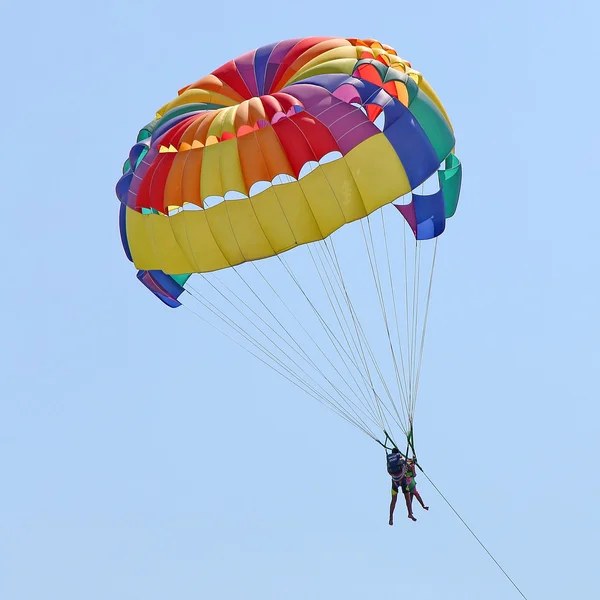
(293, 199)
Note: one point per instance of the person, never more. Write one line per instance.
(396, 467)
(409, 485)
(403, 473)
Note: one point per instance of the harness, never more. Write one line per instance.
(396, 465)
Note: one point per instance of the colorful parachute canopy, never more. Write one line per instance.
(281, 147)
(278, 149)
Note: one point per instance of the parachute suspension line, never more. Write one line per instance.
(323, 322)
(364, 339)
(330, 291)
(308, 381)
(293, 377)
(332, 337)
(358, 341)
(263, 332)
(407, 305)
(229, 321)
(422, 345)
(303, 328)
(415, 320)
(377, 282)
(356, 347)
(401, 392)
(387, 254)
(360, 337)
(337, 273)
(298, 383)
(207, 305)
(300, 348)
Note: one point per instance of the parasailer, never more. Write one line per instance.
(410, 485)
(396, 468)
(406, 482)
(265, 198)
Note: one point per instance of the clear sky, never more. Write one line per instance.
(144, 456)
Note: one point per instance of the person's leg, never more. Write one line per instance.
(393, 502)
(408, 498)
(418, 497)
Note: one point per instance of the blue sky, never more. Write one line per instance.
(143, 455)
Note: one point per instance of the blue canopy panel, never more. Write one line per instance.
(163, 286)
(123, 231)
(426, 215)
